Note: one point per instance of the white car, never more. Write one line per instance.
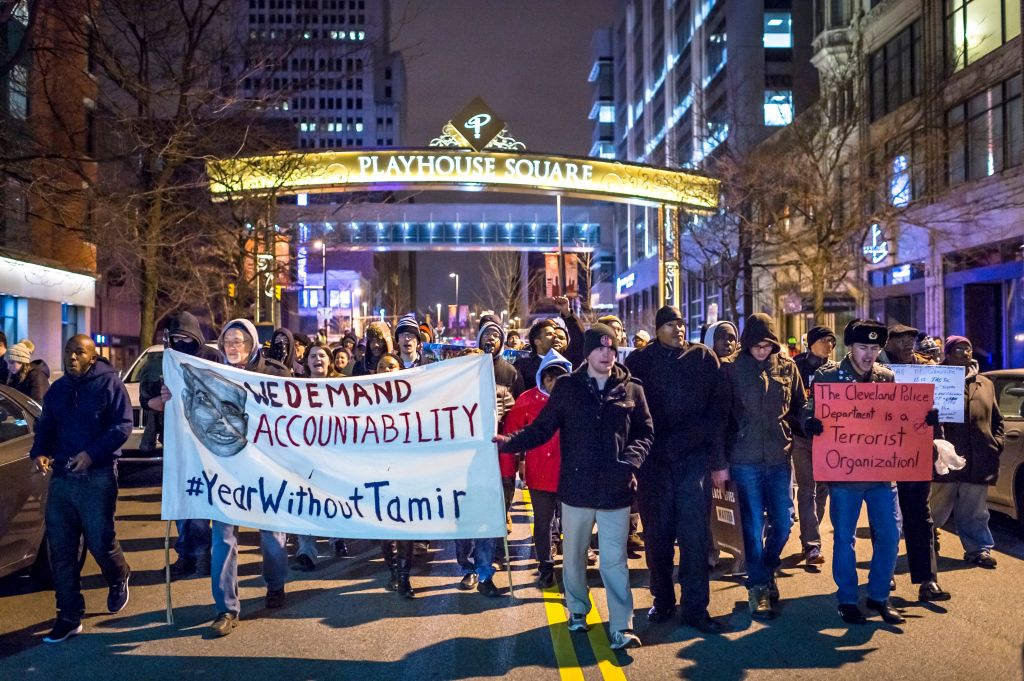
(150, 360)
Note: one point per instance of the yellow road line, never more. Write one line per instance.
(561, 638)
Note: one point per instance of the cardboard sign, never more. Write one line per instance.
(401, 455)
(948, 382)
(874, 432)
(726, 530)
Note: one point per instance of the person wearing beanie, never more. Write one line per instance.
(723, 339)
(864, 339)
(681, 382)
(27, 376)
(979, 439)
(763, 392)
(475, 556)
(811, 496)
(409, 340)
(615, 324)
(605, 432)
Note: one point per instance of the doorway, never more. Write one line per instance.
(984, 326)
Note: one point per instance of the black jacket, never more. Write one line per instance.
(90, 413)
(574, 328)
(604, 437)
(35, 383)
(183, 323)
(508, 384)
(682, 389)
(979, 439)
(527, 367)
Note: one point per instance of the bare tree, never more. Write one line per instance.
(502, 281)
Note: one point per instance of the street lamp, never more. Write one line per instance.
(323, 268)
(455, 276)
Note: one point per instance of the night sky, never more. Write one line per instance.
(528, 59)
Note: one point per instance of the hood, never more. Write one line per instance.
(41, 366)
(249, 329)
(100, 368)
(553, 358)
(760, 327)
(187, 324)
(289, 353)
(380, 330)
(709, 335)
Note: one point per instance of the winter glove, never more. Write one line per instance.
(814, 427)
(932, 417)
(947, 459)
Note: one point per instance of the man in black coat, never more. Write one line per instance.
(681, 381)
(86, 418)
(605, 432)
(183, 334)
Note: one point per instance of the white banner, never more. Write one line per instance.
(948, 382)
(403, 455)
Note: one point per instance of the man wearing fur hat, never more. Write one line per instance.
(865, 339)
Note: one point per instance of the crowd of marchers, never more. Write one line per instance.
(632, 448)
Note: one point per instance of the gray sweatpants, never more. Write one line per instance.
(612, 530)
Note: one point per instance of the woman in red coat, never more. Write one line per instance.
(541, 462)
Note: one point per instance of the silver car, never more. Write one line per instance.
(1007, 496)
(23, 502)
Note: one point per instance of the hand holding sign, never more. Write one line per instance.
(872, 432)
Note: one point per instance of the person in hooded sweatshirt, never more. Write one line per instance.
(239, 342)
(541, 462)
(27, 376)
(979, 439)
(283, 349)
(722, 337)
(377, 344)
(811, 496)
(605, 432)
(86, 418)
(763, 392)
(184, 335)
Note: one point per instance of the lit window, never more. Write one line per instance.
(359, 126)
(606, 114)
(977, 27)
(778, 107)
(899, 181)
(778, 29)
(302, 199)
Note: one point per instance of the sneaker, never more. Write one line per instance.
(117, 596)
(634, 546)
(62, 631)
(223, 625)
(340, 548)
(183, 567)
(578, 622)
(274, 599)
(981, 559)
(625, 639)
(812, 555)
(469, 582)
(760, 603)
(420, 548)
(591, 557)
(487, 588)
(405, 589)
(546, 579)
(305, 563)
(661, 613)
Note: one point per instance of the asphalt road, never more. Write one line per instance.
(339, 623)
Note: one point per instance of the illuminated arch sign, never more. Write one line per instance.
(450, 168)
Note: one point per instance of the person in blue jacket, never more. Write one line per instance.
(86, 419)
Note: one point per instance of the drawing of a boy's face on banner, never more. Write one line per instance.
(215, 411)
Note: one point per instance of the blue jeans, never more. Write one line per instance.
(224, 564)
(763, 489)
(82, 505)
(193, 539)
(482, 553)
(846, 501)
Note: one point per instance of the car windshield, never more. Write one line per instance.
(149, 361)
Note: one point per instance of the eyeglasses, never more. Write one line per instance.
(234, 343)
(961, 351)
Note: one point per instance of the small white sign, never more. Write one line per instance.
(949, 386)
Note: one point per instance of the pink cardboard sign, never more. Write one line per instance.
(874, 432)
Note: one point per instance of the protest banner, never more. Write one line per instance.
(726, 530)
(403, 455)
(948, 382)
(874, 432)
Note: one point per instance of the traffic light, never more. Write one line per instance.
(231, 290)
(277, 291)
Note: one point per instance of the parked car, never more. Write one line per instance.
(23, 501)
(147, 364)
(1007, 495)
